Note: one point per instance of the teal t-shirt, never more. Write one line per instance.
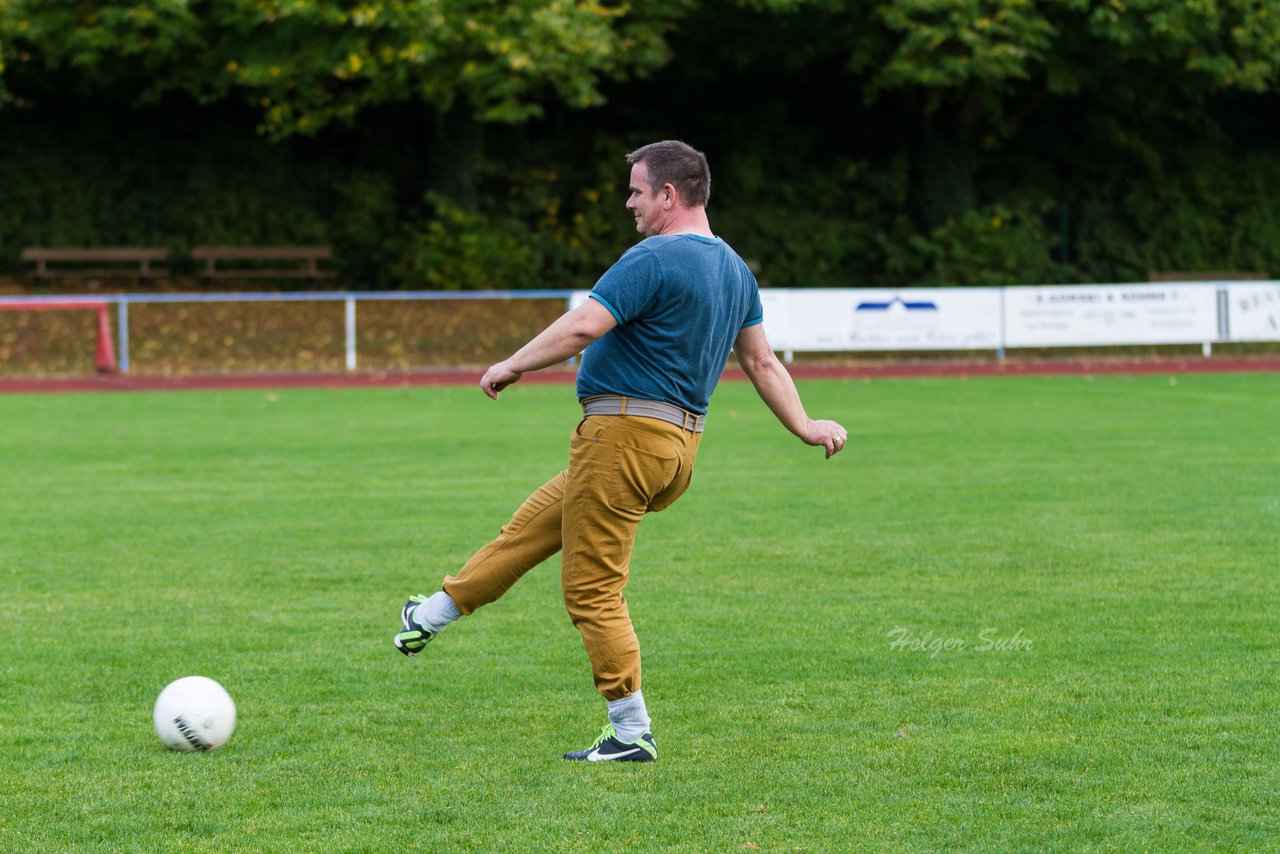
(680, 301)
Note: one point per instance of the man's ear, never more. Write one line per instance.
(670, 191)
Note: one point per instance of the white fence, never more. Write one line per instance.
(857, 319)
(1032, 316)
(840, 320)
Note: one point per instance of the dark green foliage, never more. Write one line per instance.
(454, 145)
(367, 230)
(994, 245)
(1196, 210)
(97, 174)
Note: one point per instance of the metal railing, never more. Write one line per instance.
(862, 319)
(349, 298)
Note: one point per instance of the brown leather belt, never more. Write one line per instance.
(616, 404)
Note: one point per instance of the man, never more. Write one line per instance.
(657, 332)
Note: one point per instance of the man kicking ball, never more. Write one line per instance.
(655, 336)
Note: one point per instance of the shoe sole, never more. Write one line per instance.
(645, 758)
(412, 652)
(401, 647)
(637, 753)
(405, 613)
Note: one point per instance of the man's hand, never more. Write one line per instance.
(498, 377)
(828, 434)
(568, 336)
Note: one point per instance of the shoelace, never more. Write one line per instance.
(605, 734)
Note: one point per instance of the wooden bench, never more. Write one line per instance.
(308, 258)
(143, 256)
(1207, 277)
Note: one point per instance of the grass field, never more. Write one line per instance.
(1017, 615)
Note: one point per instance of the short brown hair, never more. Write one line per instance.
(680, 165)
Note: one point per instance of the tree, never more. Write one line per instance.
(869, 125)
(306, 64)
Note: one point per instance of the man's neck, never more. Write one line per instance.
(687, 221)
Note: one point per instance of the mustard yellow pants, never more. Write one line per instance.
(620, 467)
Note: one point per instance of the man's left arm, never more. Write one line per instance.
(568, 336)
(776, 389)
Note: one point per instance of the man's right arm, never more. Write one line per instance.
(776, 389)
(567, 336)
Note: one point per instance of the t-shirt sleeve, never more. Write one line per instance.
(630, 286)
(755, 312)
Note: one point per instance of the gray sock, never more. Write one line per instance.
(629, 717)
(437, 612)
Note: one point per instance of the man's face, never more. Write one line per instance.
(649, 208)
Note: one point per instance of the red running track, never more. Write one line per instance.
(461, 377)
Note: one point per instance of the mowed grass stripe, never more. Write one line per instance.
(1017, 614)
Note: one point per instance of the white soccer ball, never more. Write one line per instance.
(194, 713)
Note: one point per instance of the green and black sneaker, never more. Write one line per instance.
(414, 636)
(609, 748)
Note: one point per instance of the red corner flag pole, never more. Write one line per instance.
(106, 353)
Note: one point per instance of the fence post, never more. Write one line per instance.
(351, 333)
(122, 321)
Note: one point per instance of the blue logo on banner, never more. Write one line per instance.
(885, 306)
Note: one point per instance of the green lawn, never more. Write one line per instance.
(1016, 615)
